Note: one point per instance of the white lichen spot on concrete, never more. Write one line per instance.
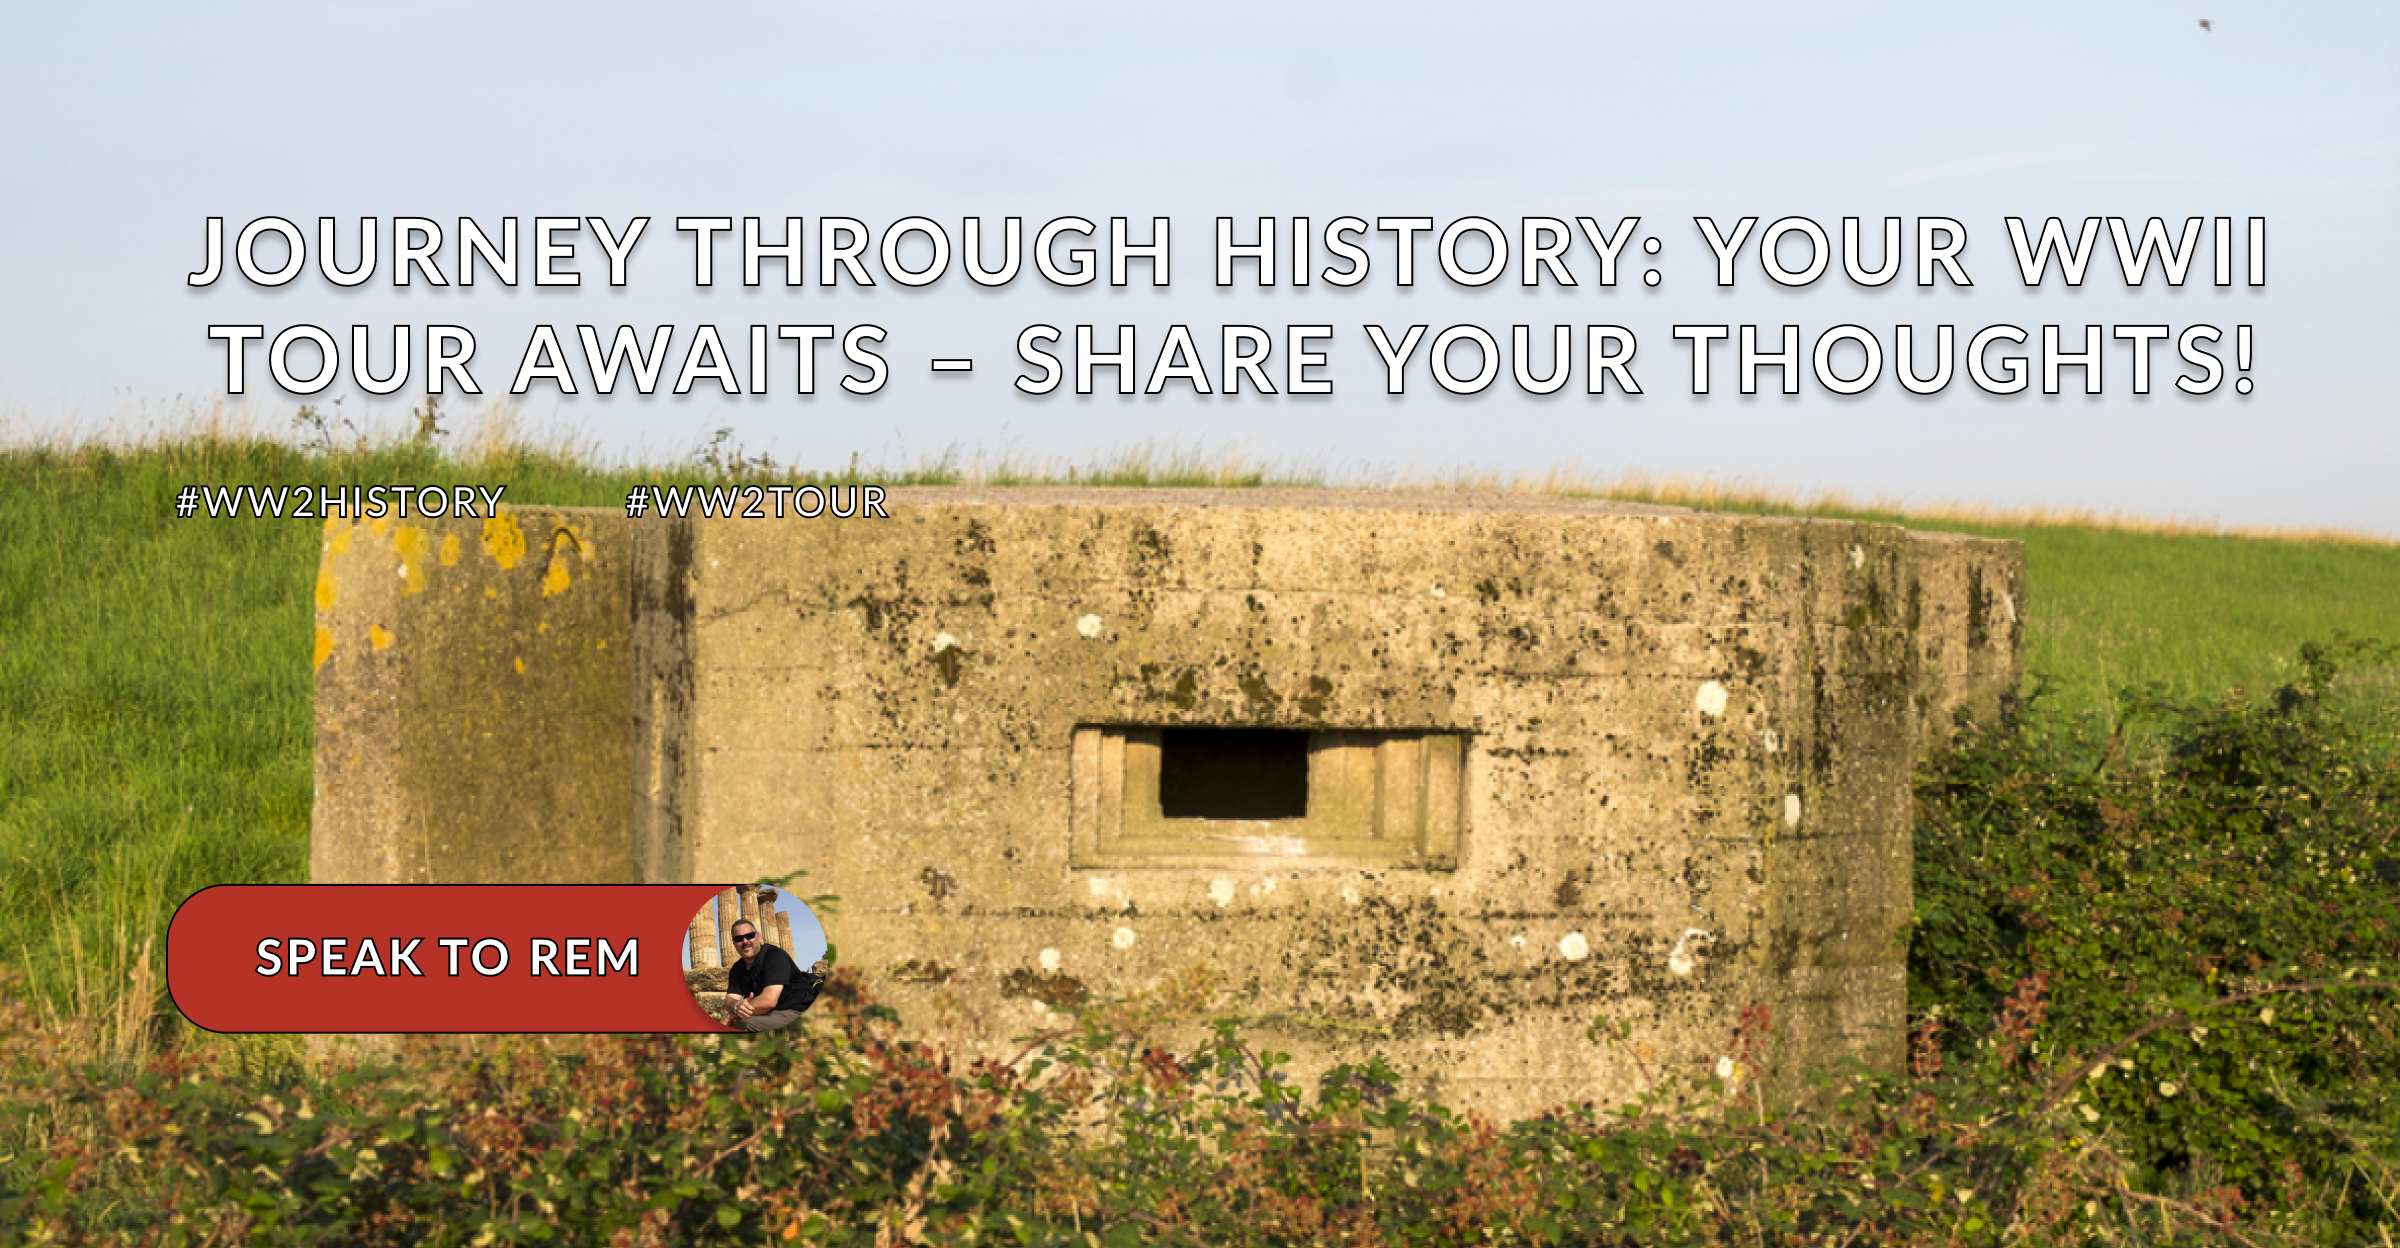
(1099, 885)
(1050, 961)
(1573, 947)
(944, 642)
(1791, 810)
(1220, 891)
(2008, 604)
(1437, 592)
(1711, 700)
(1123, 939)
(1349, 895)
(1268, 884)
(1858, 557)
(1517, 941)
(1773, 742)
(1725, 1069)
(1089, 626)
(1683, 958)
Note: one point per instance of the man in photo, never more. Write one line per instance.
(767, 989)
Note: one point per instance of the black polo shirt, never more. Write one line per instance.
(773, 966)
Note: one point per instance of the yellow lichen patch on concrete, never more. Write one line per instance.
(324, 647)
(450, 550)
(379, 526)
(337, 534)
(413, 546)
(520, 665)
(324, 589)
(555, 578)
(503, 541)
(379, 637)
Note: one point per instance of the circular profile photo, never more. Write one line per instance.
(755, 959)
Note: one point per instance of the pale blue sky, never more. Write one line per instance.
(124, 126)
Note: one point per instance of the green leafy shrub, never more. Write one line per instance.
(2214, 931)
(832, 1132)
(832, 1136)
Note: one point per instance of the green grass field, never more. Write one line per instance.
(2191, 615)
(155, 686)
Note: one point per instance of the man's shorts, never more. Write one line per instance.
(764, 1022)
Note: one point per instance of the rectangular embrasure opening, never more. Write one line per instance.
(1164, 795)
(1233, 773)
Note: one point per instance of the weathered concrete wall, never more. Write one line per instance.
(473, 722)
(1687, 778)
(1686, 742)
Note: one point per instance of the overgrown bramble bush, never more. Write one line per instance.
(832, 1132)
(2154, 1002)
(2214, 929)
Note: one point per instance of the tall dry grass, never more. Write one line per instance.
(498, 439)
(1741, 495)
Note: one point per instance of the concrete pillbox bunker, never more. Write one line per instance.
(1440, 777)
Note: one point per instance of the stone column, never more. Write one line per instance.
(704, 937)
(729, 908)
(772, 922)
(783, 930)
(749, 895)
